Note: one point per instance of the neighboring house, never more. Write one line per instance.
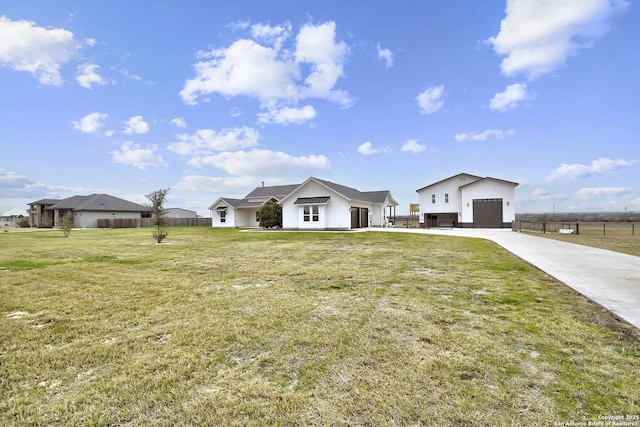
(85, 210)
(466, 200)
(314, 204)
(180, 213)
(11, 218)
(39, 216)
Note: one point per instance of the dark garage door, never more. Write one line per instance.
(487, 213)
(359, 217)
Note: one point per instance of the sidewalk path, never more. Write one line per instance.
(608, 278)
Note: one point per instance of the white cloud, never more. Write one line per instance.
(412, 146)
(273, 74)
(136, 125)
(385, 55)
(206, 141)
(512, 96)
(537, 36)
(274, 36)
(316, 45)
(483, 136)
(24, 46)
(13, 185)
(135, 155)
(261, 163)
(179, 122)
(91, 123)
(244, 68)
(539, 192)
(288, 115)
(430, 101)
(598, 167)
(87, 76)
(366, 149)
(594, 192)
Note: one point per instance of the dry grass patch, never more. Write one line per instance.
(233, 328)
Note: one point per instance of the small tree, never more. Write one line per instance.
(159, 215)
(66, 224)
(271, 215)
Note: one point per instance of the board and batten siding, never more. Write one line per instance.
(333, 215)
(451, 187)
(488, 189)
(230, 218)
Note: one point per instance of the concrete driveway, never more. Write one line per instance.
(608, 278)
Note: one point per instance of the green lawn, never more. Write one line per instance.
(222, 327)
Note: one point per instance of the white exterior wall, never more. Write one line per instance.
(229, 220)
(89, 219)
(450, 186)
(334, 214)
(376, 213)
(489, 189)
(246, 217)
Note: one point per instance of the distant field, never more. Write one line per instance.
(615, 236)
(222, 327)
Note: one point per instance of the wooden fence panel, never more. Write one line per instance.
(148, 222)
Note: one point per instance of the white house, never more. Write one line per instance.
(314, 204)
(227, 212)
(466, 200)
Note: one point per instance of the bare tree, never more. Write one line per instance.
(157, 199)
(66, 224)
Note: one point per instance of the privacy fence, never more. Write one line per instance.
(579, 227)
(148, 222)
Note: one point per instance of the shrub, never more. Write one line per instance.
(271, 215)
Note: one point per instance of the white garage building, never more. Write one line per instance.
(468, 201)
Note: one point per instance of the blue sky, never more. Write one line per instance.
(210, 99)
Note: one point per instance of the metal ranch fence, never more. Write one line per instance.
(579, 227)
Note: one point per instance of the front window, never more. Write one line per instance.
(433, 198)
(446, 197)
(257, 216)
(311, 213)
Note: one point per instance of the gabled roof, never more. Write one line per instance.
(234, 203)
(277, 191)
(380, 196)
(515, 184)
(447, 179)
(350, 193)
(98, 202)
(259, 196)
(45, 202)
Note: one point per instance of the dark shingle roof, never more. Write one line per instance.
(353, 194)
(277, 191)
(45, 202)
(99, 202)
